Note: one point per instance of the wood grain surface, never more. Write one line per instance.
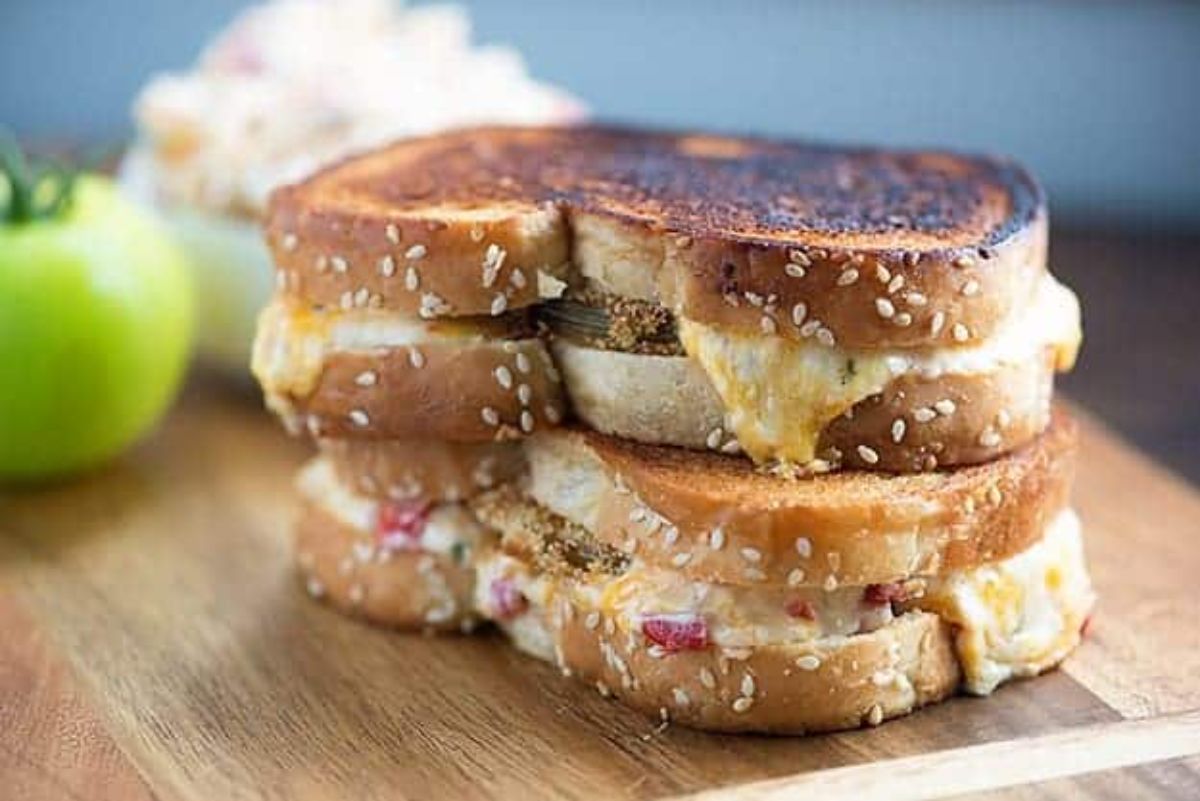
(154, 644)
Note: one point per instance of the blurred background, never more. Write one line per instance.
(1100, 99)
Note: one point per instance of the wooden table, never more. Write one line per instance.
(154, 644)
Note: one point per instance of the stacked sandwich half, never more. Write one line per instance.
(755, 436)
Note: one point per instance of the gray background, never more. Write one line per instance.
(1101, 99)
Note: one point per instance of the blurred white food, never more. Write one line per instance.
(289, 86)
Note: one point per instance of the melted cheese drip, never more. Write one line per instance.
(779, 394)
(1019, 616)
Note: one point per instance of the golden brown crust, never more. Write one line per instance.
(839, 683)
(740, 526)
(939, 222)
(411, 590)
(474, 392)
(917, 423)
(422, 469)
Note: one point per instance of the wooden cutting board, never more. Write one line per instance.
(154, 644)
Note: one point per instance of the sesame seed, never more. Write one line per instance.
(524, 394)
(346, 301)
(742, 704)
(392, 233)
(867, 454)
(681, 559)
(1003, 418)
(884, 307)
(432, 305)
(808, 662)
(964, 261)
(314, 586)
(321, 264)
(810, 328)
(707, 678)
(517, 279)
(362, 296)
(523, 365)
(680, 697)
(945, 407)
(924, 414)
(970, 288)
(367, 378)
(592, 621)
(672, 535)
(799, 312)
(716, 538)
(499, 304)
(713, 440)
(969, 506)
(416, 252)
(990, 438)
(895, 284)
(903, 319)
(416, 358)
(795, 578)
(804, 547)
(504, 376)
(412, 279)
(751, 555)
(748, 685)
(339, 264)
(936, 323)
(767, 324)
(882, 273)
(731, 447)
(490, 416)
(289, 241)
(913, 258)
(794, 270)
(359, 418)
(476, 233)
(387, 266)
(825, 337)
(847, 277)
(898, 427)
(875, 716)
(831, 583)
(915, 299)
(552, 414)
(799, 257)
(526, 421)
(960, 332)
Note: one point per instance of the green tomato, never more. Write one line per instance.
(95, 328)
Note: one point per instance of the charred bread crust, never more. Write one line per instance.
(966, 232)
(422, 469)
(410, 590)
(486, 391)
(717, 519)
(917, 423)
(824, 685)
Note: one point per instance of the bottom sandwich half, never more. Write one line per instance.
(724, 652)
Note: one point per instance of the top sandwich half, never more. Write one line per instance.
(772, 288)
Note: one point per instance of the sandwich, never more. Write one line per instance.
(784, 456)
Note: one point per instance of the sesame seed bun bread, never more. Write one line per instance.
(716, 518)
(460, 386)
(404, 564)
(479, 214)
(422, 469)
(838, 694)
(914, 423)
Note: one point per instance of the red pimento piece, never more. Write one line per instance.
(677, 632)
(800, 607)
(507, 601)
(401, 525)
(880, 594)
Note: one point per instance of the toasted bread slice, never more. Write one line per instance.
(429, 470)
(464, 223)
(718, 519)
(406, 564)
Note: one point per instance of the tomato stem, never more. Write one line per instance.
(31, 190)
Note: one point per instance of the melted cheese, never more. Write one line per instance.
(449, 524)
(1019, 616)
(779, 394)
